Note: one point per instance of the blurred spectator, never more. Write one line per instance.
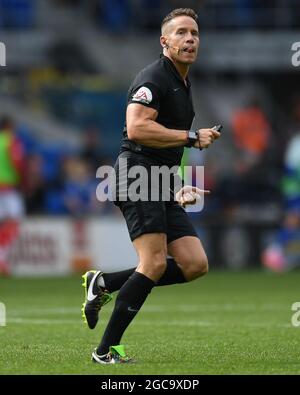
(34, 185)
(91, 150)
(251, 132)
(11, 201)
(79, 190)
(291, 177)
(284, 251)
(248, 184)
(29, 142)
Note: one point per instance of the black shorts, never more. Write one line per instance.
(155, 216)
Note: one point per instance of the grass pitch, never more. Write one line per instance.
(224, 323)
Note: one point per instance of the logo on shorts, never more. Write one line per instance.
(143, 95)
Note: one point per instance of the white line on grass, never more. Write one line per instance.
(183, 323)
(41, 321)
(157, 309)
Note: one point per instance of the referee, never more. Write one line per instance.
(158, 120)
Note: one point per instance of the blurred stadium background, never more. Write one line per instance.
(62, 97)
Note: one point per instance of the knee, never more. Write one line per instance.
(159, 263)
(203, 267)
(153, 265)
(197, 268)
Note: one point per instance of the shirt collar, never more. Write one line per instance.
(169, 62)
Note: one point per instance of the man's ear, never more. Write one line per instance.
(163, 41)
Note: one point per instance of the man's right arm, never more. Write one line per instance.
(143, 129)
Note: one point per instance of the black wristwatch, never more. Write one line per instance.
(192, 137)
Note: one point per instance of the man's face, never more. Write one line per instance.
(181, 33)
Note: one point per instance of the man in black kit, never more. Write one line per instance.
(158, 121)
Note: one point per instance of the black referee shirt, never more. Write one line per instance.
(161, 87)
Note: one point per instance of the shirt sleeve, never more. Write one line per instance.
(147, 94)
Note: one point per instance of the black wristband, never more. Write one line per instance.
(193, 137)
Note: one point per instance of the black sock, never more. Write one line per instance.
(172, 275)
(130, 299)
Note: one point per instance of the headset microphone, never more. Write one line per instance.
(176, 48)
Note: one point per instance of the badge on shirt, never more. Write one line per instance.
(143, 95)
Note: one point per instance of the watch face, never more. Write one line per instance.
(193, 137)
